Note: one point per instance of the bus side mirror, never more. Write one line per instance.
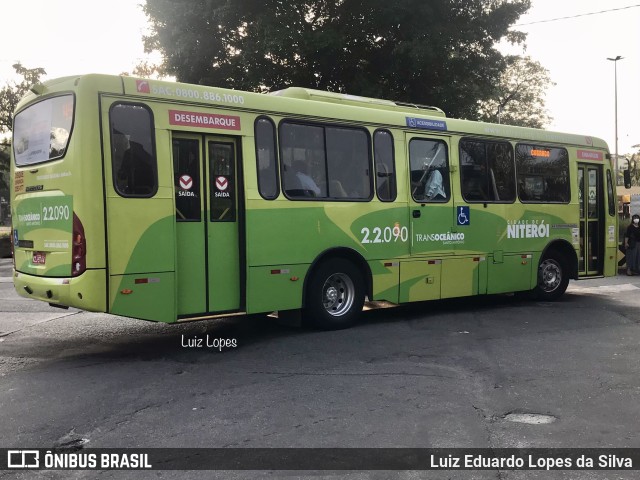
(627, 178)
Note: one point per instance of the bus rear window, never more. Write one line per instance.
(41, 131)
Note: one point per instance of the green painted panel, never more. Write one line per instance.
(154, 250)
(141, 235)
(276, 287)
(379, 234)
(610, 263)
(420, 280)
(224, 271)
(144, 296)
(460, 276)
(386, 276)
(432, 230)
(513, 274)
(190, 270)
(515, 228)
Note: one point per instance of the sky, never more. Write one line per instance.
(69, 37)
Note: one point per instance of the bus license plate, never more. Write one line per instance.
(39, 258)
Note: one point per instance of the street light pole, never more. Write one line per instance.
(615, 87)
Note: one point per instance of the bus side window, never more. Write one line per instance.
(501, 172)
(385, 166)
(543, 174)
(487, 171)
(611, 195)
(325, 162)
(265, 135)
(348, 163)
(429, 164)
(133, 157)
(303, 161)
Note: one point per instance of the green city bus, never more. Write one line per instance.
(170, 202)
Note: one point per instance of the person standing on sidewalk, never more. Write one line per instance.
(632, 244)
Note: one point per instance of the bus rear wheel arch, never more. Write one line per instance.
(334, 294)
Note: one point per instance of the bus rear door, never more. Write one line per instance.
(591, 219)
(224, 212)
(207, 224)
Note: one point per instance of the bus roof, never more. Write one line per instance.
(295, 101)
(346, 99)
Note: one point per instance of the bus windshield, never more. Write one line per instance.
(41, 131)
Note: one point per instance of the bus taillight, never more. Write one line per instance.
(79, 248)
(13, 252)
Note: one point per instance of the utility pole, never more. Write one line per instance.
(615, 87)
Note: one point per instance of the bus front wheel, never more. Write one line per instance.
(335, 295)
(553, 277)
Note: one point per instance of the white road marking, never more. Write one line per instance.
(604, 289)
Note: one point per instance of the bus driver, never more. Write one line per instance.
(434, 186)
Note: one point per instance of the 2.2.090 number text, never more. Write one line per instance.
(384, 235)
(57, 212)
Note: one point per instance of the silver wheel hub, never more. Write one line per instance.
(338, 294)
(551, 275)
(332, 295)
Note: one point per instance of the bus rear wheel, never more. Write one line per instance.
(553, 277)
(335, 295)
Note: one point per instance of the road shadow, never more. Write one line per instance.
(107, 339)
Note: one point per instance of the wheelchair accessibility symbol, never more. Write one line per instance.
(464, 217)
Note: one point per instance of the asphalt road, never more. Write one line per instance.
(440, 374)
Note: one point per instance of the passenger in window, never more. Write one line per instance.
(434, 189)
(523, 192)
(306, 182)
(632, 244)
(135, 175)
(472, 190)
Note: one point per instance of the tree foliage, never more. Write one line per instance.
(632, 163)
(438, 52)
(146, 69)
(10, 95)
(518, 98)
(13, 91)
(4, 170)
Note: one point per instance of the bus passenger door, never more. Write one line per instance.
(190, 217)
(431, 211)
(224, 212)
(590, 193)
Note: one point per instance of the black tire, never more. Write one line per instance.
(335, 295)
(553, 277)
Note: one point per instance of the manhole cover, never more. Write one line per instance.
(530, 418)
